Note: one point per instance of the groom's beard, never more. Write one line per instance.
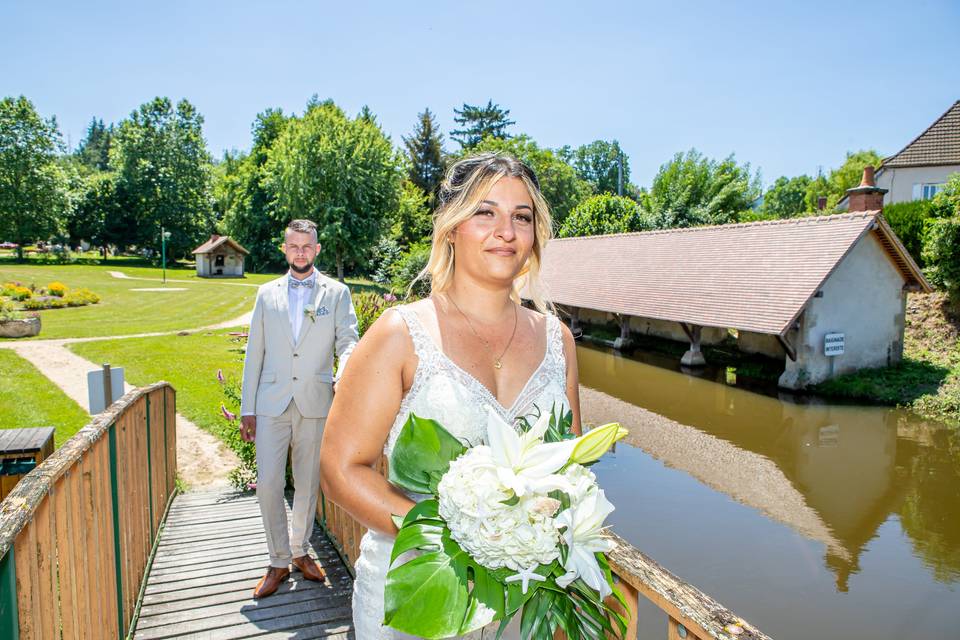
(301, 270)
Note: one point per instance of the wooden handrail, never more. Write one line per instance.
(77, 531)
(691, 614)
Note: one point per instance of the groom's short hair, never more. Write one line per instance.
(303, 226)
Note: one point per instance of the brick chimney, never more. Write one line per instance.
(868, 196)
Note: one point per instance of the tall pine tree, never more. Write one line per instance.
(425, 149)
(94, 150)
(481, 122)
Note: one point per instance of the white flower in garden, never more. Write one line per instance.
(472, 502)
(524, 462)
(584, 538)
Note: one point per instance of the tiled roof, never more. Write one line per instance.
(216, 241)
(938, 145)
(755, 276)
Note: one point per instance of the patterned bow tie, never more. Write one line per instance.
(308, 283)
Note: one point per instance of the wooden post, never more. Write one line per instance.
(107, 388)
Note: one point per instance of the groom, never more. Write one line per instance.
(299, 322)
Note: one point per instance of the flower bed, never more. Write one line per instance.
(55, 295)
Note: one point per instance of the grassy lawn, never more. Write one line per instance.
(188, 362)
(123, 310)
(48, 406)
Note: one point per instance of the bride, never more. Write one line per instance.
(468, 347)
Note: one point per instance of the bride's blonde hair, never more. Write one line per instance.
(467, 183)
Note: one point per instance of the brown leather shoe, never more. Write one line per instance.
(269, 584)
(310, 569)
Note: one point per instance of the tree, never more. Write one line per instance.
(412, 222)
(94, 149)
(99, 216)
(786, 198)
(605, 213)
(480, 122)
(164, 174)
(251, 217)
(692, 190)
(343, 174)
(848, 175)
(425, 149)
(599, 163)
(941, 245)
(559, 183)
(32, 185)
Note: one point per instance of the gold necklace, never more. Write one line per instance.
(497, 362)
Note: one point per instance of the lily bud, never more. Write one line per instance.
(227, 413)
(597, 442)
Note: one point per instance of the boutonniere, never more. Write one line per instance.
(310, 313)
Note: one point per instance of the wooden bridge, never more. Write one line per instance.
(97, 543)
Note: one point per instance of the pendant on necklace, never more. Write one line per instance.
(497, 364)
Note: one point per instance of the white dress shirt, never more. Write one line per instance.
(297, 299)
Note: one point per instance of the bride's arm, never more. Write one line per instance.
(573, 377)
(364, 408)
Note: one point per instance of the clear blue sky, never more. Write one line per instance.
(787, 88)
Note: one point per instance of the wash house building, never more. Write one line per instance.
(826, 294)
(220, 257)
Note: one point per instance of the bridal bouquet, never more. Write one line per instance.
(512, 526)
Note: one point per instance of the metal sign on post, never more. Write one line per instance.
(104, 387)
(833, 344)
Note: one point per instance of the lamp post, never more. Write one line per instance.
(163, 251)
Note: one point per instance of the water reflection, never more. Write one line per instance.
(840, 471)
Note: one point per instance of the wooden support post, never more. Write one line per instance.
(107, 387)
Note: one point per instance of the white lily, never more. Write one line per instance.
(524, 462)
(584, 538)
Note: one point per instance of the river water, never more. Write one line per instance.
(810, 520)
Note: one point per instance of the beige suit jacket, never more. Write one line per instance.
(279, 366)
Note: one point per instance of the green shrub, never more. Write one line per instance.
(605, 213)
(941, 252)
(8, 311)
(56, 289)
(368, 307)
(81, 297)
(44, 302)
(941, 244)
(20, 293)
(406, 269)
(908, 219)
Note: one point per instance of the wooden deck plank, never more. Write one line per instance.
(337, 610)
(337, 620)
(151, 618)
(211, 553)
(292, 589)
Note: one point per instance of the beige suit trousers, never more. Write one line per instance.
(275, 435)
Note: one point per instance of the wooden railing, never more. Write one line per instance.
(690, 613)
(76, 532)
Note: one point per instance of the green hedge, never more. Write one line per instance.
(908, 220)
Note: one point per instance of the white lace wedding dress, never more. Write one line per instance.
(443, 391)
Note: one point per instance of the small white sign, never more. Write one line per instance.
(95, 388)
(833, 344)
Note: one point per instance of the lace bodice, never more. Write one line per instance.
(444, 392)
